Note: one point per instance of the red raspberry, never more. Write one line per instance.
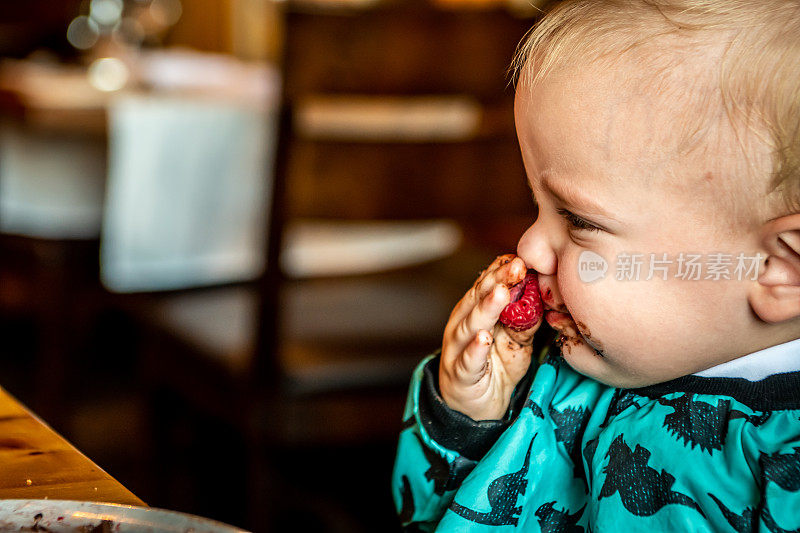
(525, 309)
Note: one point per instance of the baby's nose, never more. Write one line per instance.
(537, 251)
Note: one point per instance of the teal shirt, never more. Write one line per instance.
(691, 454)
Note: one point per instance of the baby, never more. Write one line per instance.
(661, 140)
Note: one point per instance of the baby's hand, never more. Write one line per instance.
(482, 360)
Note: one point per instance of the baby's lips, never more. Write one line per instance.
(570, 337)
(550, 297)
(561, 322)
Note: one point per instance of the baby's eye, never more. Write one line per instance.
(577, 222)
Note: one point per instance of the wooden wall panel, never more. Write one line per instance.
(204, 25)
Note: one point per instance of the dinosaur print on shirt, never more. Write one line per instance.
(697, 422)
(502, 494)
(642, 489)
(570, 425)
(782, 468)
(407, 511)
(552, 520)
(743, 523)
(711, 454)
(445, 476)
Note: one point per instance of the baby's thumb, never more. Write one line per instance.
(525, 337)
(515, 349)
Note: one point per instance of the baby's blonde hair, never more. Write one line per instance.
(758, 76)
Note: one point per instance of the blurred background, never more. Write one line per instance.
(229, 230)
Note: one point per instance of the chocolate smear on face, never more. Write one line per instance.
(568, 342)
(593, 343)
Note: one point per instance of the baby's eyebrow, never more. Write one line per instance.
(572, 198)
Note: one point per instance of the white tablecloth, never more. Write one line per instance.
(188, 182)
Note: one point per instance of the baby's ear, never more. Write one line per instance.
(776, 298)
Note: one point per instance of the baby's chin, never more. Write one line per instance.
(584, 353)
(586, 358)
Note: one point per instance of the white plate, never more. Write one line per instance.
(316, 248)
(61, 516)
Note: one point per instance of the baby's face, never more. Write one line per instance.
(605, 168)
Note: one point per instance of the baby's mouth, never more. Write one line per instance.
(549, 299)
(571, 334)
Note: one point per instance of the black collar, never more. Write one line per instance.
(778, 391)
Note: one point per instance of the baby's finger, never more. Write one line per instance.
(514, 351)
(482, 317)
(473, 362)
(506, 270)
(510, 271)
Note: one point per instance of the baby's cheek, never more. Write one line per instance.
(602, 306)
(604, 310)
(584, 298)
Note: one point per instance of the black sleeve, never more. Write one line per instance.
(455, 430)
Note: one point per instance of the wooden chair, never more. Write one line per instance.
(399, 111)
